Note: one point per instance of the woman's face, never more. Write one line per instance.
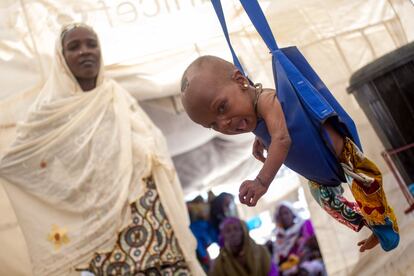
(233, 235)
(285, 217)
(82, 53)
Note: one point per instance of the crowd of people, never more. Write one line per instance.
(291, 250)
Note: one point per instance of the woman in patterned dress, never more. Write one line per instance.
(90, 178)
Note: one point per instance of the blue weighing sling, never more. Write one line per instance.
(306, 102)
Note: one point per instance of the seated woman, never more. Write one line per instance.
(296, 245)
(90, 178)
(221, 206)
(240, 255)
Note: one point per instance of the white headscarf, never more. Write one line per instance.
(286, 238)
(78, 161)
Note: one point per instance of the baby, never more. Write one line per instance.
(215, 94)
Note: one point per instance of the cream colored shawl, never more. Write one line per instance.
(77, 162)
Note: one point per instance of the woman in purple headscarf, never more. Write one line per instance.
(240, 255)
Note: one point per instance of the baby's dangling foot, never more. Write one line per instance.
(368, 243)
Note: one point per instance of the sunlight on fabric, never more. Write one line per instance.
(5, 55)
(265, 231)
(213, 250)
(147, 35)
(285, 182)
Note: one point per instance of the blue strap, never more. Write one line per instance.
(220, 15)
(286, 72)
(310, 96)
(259, 21)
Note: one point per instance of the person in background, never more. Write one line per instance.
(295, 240)
(240, 255)
(202, 229)
(221, 207)
(311, 263)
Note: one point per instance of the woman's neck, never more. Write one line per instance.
(87, 84)
(255, 94)
(238, 250)
(287, 226)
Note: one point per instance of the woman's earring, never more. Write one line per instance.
(245, 85)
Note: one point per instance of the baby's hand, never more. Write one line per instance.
(251, 191)
(258, 149)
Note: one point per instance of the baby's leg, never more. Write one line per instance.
(332, 201)
(370, 197)
(335, 139)
(345, 212)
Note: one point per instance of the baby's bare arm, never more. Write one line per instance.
(270, 110)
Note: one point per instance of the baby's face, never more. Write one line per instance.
(228, 109)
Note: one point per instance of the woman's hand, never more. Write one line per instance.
(251, 191)
(258, 150)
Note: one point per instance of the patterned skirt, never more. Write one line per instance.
(370, 208)
(147, 246)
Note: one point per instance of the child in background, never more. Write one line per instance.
(215, 94)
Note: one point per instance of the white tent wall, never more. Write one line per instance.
(146, 46)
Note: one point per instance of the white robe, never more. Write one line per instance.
(78, 161)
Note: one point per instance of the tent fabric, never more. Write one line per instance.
(337, 37)
(347, 34)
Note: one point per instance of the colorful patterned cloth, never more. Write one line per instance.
(147, 246)
(370, 209)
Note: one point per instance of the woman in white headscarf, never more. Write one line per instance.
(90, 178)
(295, 239)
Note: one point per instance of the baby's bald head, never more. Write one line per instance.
(207, 69)
(215, 94)
(202, 76)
